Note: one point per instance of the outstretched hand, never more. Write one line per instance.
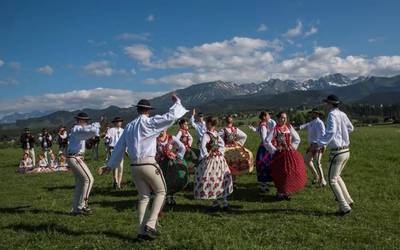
(194, 112)
(103, 170)
(174, 97)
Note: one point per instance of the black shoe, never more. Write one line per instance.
(287, 197)
(151, 232)
(143, 237)
(342, 213)
(263, 191)
(279, 197)
(115, 185)
(80, 212)
(227, 208)
(87, 210)
(213, 209)
(351, 204)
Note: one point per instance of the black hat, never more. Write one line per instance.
(316, 111)
(144, 104)
(332, 99)
(117, 119)
(27, 129)
(200, 114)
(82, 116)
(44, 130)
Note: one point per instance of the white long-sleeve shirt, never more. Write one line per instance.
(79, 134)
(264, 131)
(315, 130)
(206, 139)
(337, 131)
(190, 138)
(241, 136)
(200, 127)
(178, 145)
(140, 135)
(113, 135)
(295, 139)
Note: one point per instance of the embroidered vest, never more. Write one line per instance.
(185, 138)
(230, 138)
(212, 145)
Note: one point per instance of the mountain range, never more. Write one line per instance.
(220, 96)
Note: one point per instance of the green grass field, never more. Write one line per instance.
(34, 209)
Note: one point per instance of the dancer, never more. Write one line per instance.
(76, 151)
(25, 165)
(186, 138)
(140, 140)
(28, 144)
(113, 135)
(287, 165)
(264, 156)
(62, 139)
(315, 130)
(239, 158)
(337, 139)
(170, 153)
(199, 125)
(213, 179)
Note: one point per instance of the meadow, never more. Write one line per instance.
(34, 208)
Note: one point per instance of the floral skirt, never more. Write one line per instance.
(213, 179)
(263, 159)
(288, 171)
(176, 175)
(240, 160)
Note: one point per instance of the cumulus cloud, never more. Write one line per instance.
(313, 30)
(8, 82)
(262, 28)
(92, 98)
(133, 36)
(104, 68)
(1, 62)
(151, 18)
(295, 31)
(47, 70)
(139, 52)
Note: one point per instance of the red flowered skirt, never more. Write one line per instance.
(288, 171)
(240, 159)
(213, 179)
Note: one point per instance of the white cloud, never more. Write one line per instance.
(139, 52)
(1, 62)
(15, 65)
(313, 30)
(376, 39)
(77, 99)
(151, 18)
(133, 36)
(47, 70)
(8, 82)
(99, 68)
(295, 31)
(97, 43)
(262, 28)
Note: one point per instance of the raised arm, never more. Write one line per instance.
(303, 126)
(86, 132)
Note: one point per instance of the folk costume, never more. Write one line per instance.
(337, 140)
(140, 141)
(190, 157)
(62, 139)
(170, 157)
(113, 135)
(287, 165)
(75, 158)
(239, 159)
(28, 144)
(213, 179)
(200, 128)
(315, 130)
(46, 141)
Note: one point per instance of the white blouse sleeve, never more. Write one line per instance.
(295, 138)
(241, 137)
(203, 146)
(221, 145)
(190, 142)
(180, 146)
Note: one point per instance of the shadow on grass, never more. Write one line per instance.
(52, 227)
(119, 206)
(65, 187)
(28, 209)
(109, 191)
(284, 211)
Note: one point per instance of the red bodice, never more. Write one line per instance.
(212, 145)
(165, 148)
(185, 138)
(282, 137)
(230, 138)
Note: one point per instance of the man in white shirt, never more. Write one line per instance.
(139, 140)
(199, 125)
(315, 130)
(113, 135)
(75, 158)
(337, 139)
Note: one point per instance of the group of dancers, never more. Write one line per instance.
(161, 162)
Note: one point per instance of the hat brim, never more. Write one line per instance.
(143, 106)
(114, 121)
(330, 101)
(316, 112)
(82, 118)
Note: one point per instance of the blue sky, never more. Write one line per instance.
(110, 52)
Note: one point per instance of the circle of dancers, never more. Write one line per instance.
(162, 163)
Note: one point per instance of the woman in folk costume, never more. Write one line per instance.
(315, 130)
(287, 165)
(186, 138)
(263, 157)
(170, 153)
(239, 158)
(213, 179)
(25, 165)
